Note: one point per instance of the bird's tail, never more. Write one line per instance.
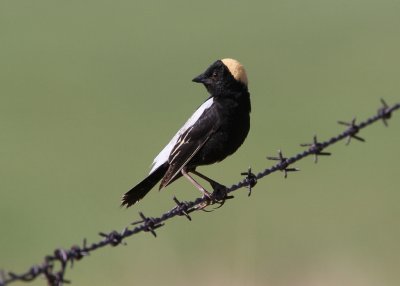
(140, 190)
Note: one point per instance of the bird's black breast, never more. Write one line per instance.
(233, 116)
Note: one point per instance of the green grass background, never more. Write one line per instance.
(90, 91)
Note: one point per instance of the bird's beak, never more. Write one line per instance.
(200, 79)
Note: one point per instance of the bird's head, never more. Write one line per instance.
(224, 76)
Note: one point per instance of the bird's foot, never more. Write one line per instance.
(218, 197)
(207, 200)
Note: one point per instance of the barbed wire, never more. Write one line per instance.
(54, 266)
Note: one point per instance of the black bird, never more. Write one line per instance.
(216, 130)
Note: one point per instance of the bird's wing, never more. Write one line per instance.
(189, 143)
(163, 156)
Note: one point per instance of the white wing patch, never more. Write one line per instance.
(164, 154)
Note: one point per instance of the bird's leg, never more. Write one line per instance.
(206, 194)
(215, 185)
(197, 185)
(220, 195)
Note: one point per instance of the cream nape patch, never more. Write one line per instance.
(236, 69)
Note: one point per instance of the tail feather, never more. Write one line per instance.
(140, 190)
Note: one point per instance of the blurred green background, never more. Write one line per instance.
(90, 92)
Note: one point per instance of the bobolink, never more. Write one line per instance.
(216, 130)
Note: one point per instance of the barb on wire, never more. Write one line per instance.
(181, 207)
(383, 112)
(54, 266)
(353, 130)
(317, 148)
(283, 164)
(251, 180)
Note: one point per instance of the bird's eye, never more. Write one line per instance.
(214, 75)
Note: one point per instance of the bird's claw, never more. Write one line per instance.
(207, 200)
(218, 197)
